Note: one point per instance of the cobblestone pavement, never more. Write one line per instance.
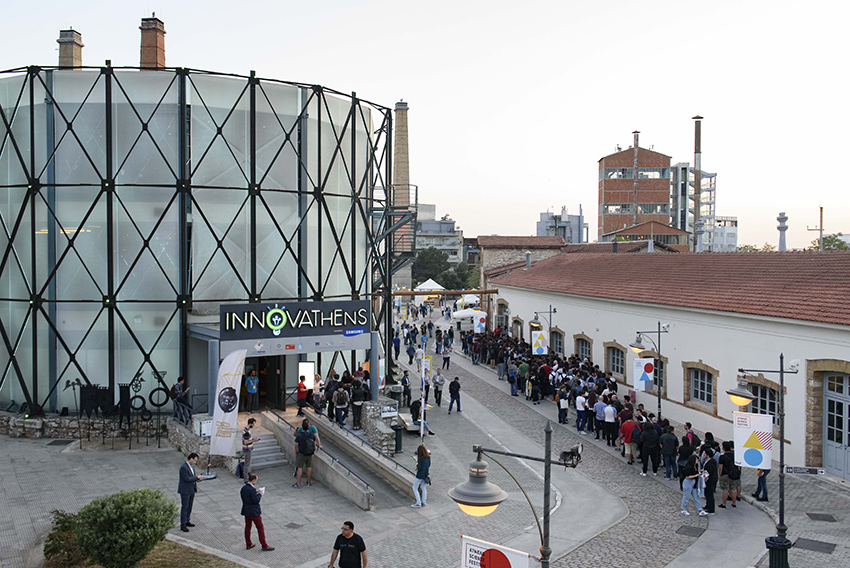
(809, 494)
(37, 478)
(647, 537)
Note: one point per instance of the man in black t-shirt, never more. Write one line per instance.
(350, 548)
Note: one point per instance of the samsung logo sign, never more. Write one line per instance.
(354, 331)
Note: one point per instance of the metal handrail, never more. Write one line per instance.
(377, 450)
(330, 455)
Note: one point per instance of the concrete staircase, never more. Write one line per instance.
(267, 451)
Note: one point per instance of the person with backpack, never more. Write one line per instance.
(730, 475)
(341, 399)
(512, 372)
(306, 442)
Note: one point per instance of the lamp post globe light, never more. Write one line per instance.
(778, 545)
(478, 497)
(639, 348)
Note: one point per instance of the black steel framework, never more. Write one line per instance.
(188, 244)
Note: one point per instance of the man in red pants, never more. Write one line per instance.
(251, 511)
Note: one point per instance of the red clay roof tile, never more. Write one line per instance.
(809, 286)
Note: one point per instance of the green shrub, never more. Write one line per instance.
(119, 530)
(60, 548)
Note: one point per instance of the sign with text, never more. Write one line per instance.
(389, 409)
(805, 470)
(753, 435)
(481, 554)
(347, 318)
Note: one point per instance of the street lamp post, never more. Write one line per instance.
(638, 347)
(478, 497)
(777, 545)
(536, 322)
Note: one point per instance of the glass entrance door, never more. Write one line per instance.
(836, 422)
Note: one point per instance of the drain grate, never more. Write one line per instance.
(690, 530)
(814, 545)
(822, 517)
(293, 526)
(60, 442)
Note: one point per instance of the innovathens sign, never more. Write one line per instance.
(296, 327)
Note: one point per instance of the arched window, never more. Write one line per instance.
(557, 342)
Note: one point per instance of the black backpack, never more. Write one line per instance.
(306, 443)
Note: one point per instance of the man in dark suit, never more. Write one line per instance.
(251, 511)
(187, 487)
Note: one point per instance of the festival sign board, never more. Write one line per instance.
(643, 372)
(753, 439)
(539, 342)
(481, 554)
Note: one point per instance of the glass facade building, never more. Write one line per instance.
(135, 202)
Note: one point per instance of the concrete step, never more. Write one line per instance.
(268, 462)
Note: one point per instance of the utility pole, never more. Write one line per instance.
(819, 228)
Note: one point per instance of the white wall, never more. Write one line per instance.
(721, 340)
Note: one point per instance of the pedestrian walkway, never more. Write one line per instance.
(736, 535)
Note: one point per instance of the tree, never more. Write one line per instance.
(450, 280)
(429, 263)
(474, 279)
(752, 248)
(830, 242)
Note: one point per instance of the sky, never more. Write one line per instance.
(512, 104)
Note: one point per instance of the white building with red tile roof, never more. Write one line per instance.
(725, 311)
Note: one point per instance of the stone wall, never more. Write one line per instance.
(186, 441)
(378, 429)
(70, 427)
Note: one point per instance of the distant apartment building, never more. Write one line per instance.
(471, 251)
(682, 180)
(725, 237)
(617, 190)
(571, 228)
(442, 234)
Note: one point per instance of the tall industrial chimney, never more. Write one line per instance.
(697, 177)
(636, 177)
(70, 49)
(153, 43)
(782, 228)
(401, 190)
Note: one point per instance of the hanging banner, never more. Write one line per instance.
(226, 412)
(480, 321)
(481, 554)
(753, 439)
(539, 342)
(643, 371)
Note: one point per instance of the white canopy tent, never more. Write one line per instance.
(427, 286)
(467, 300)
(470, 318)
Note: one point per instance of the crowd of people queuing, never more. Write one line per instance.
(579, 384)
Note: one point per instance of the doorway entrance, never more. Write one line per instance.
(270, 371)
(836, 424)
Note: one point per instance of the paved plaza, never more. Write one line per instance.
(605, 513)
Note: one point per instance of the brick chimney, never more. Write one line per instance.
(70, 49)
(153, 43)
